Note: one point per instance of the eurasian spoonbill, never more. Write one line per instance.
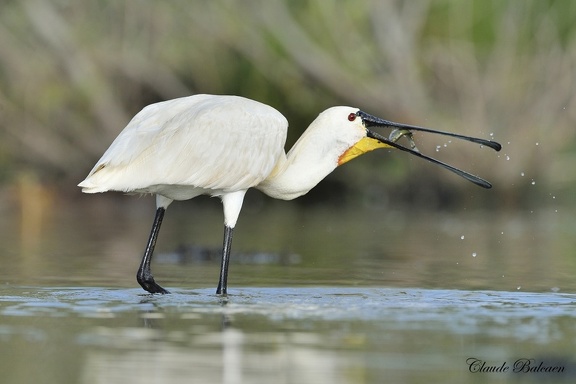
(224, 145)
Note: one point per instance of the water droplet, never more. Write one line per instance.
(474, 254)
(522, 174)
(491, 134)
(507, 157)
(555, 289)
(537, 143)
(518, 287)
(533, 182)
(462, 237)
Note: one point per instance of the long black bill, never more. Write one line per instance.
(373, 121)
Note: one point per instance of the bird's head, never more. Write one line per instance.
(352, 127)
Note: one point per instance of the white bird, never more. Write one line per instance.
(224, 145)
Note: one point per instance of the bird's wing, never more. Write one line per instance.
(210, 142)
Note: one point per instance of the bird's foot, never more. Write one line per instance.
(150, 285)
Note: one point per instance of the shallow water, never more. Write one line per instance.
(316, 296)
(286, 335)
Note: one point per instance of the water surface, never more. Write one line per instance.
(288, 335)
(318, 295)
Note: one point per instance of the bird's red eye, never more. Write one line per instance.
(352, 117)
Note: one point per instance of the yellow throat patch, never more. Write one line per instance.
(366, 144)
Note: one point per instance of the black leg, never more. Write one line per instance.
(144, 275)
(223, 283)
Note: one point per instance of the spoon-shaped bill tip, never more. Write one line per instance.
(373, 121)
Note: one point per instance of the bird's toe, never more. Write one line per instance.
(151, 286)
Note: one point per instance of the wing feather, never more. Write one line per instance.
(205, 141)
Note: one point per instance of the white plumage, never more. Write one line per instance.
(224, 145)
(187, 142)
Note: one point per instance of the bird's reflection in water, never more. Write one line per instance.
(153, 353)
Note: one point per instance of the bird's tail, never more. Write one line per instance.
(88, 187)
(94, 183)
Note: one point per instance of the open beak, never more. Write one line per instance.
(405, 130)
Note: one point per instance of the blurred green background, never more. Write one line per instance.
(72, 74)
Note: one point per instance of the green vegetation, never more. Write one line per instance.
(73, 73)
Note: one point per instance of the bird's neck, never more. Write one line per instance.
(305, 165)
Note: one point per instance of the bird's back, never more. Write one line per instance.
(209, 142)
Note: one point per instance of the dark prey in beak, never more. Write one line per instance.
(373, 121)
